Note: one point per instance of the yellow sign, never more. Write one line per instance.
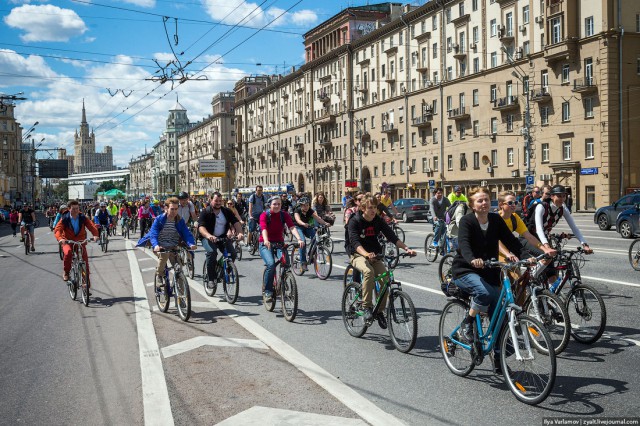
(210, 175)
(212, 168)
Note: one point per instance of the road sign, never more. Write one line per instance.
(529, 180)
(432, 183)
(212, 168)
(589, 171)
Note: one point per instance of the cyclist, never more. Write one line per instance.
(257, 204)
(364, 228)
(73, 227)
(124, 214)
(286, 203)
(457, 195)
(112, 208)
(533, 195)
(215, 221)
(155, 207)
(385, 199)
(454, 223)
(303, 217)
(144, 215)
(232, 206)
(272, 223)
(63, 209)
(478, 239)
(241, 206)
(186, 209)
(27, 219)
(438, 206)
(165, 233)
(322, 208)
(102, 216)
(351, 208)
(50, 215)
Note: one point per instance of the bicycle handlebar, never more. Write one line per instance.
(526, 262)
(83, 242)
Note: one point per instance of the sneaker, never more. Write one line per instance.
(434, 244)
(65, 276)
(22, 239)
(382, 321)
(368, 315)
(33, 248)
(465, 332)
(268, 297)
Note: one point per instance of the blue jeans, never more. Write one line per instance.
(269, 263)
(211, 255)
(254, 223)
(305, 232)
(438, 229)
(484, 295)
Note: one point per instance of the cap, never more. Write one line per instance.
(183, 196)
(103, 204)
(457, 188)
(275, 197)
(558, 189)
(63, 206)
(303, 200)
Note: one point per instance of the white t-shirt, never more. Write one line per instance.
(221, 224)
(185, 212)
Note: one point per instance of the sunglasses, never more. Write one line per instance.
(229, 204)
(511, 203)
(537, 192)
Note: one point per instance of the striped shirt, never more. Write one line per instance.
(169, 236)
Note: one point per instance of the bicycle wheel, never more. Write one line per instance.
(531, 377)
(587, 312)
(444, 268)
(73, 284)
(162, 294)
(289, 296)
(430, 251)
(231, 284)
(403, 322)
(391, 255)
(634, 254)
(322, 262)
(457, 357)
(84, 284)
(210, 287)
(189, 263)
(352, 314)
(399, 232)
(269, 306)
(253, 248)
(238, 249)
(296, 265)
(551, 312)
(347, 278)
(27, 243)
(182, 296)
(328, 244)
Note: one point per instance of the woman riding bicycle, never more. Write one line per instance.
(364, 228)
(322, 208)
(272, 223)
(303, 217)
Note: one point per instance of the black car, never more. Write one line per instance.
(606, 216)
(410, 209)
(627, 223)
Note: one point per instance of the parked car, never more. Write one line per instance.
(410, 209)
(4, 215)
(606, 216)
(627, 223)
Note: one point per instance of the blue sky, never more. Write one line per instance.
(61, 52)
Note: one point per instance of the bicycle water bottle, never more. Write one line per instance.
(377, 287)
(555, 285)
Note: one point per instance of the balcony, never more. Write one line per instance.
(391, 50)
(458, 114)
(540, 96)
(325, 141)
(285, 115)
(298, 144)
(391, 78)
(460, 20)
(423, 37)
(420, 122)
(389, 128)
(506, 103)
(285, 95)
(324, 98)
(364, 88)
(260, 153)
(566, 50)
(299, 88)
(327, 118)
(284, 150)
(424, 68)
(585, 85)
(506, 36)
(364, 62)
(260, 123)
(326, 77)
(299, 110)
(459, 52)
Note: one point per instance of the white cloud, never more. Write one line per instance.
(19, 70)
(45, 23)
(141, 3)
(250, 14)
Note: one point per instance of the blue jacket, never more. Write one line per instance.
(158, 224)
(58, 217)
(102, 218)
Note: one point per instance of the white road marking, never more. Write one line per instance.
(259, 416)
(149, 284)
(366, 409)
(155, 395)
(153, 268)
(610, 281)
(430, 290)
(146, 258)
(199, 341)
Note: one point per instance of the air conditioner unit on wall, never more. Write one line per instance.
(473, 46)
(523, 28)
(539, 19)
(427, 170)
(489, 169)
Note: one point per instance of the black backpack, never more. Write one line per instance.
(451, 211)
(281, 217)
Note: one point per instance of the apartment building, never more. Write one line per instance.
(210, 139)
(140, 175)
(11, 157)
(460, 92)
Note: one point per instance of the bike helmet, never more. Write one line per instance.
(183, 196)
(275, 197)
(103, 204)
(304, 200)
(558, 189)
(63, 207)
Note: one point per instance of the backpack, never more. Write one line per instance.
(450, 213)
(546, 217)
(269, 217)
(529, 218)
(264, 199)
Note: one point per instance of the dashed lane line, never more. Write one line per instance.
(199, 341)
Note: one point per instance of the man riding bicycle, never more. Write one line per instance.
(73, 227)
(27, 219)
(102, 217)
(186, 209)
(144, 215)
(364, 228)
(303, 217)
(257, 205)
(215, 221)
(438, 206)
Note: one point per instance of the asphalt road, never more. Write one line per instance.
(67, 364)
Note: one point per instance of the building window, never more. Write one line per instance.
(566, 112)
(436, 163)
(509, 122)
(375, 171)
(434, 22)
(435, 136)
(476, 97)
(526, 48)
(463, 161)
(461, 9)
(544, 77)
(588, 107)
(589, 149)
(588, 26)
(462, 130)
(425, 165)
(556, 30)
(476, 128)
(384, 144)
(476, 35)
(434, 49)
(449, 103)
(494, 59)
(447, 15)
(401, 167)
(449, 133)
(393, 168)
(493, 93)
(413, 166)
(384, 169)
(493, 28)
(474, 5)
(401, 141)
(476, 160)
(449, 162)
(494, 158)
(565, 74)
(476, 65)
(413, 139)
(494, 125)
(566, 150)
(545, 152)
(510, 156)
(401, 64)
(525, 15)
(544, 116)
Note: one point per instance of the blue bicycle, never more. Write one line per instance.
(227, 274)
(445, 244)
(527, 360)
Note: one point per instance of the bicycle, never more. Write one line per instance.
(390, 251)
(401, 314)
(324, 236)
(104, 238)
(255, 240)
(27, 239)
(585, 305)
(145, 225)
(237, 246)
(187, 258)
(541, 304)
(194, 231)
(133, 225)
(316, 251)
(445, 245)
(227, 273)
(78, 276)
(528, 371)
(634, 254)
(176, 287)
(284, 283)
(125, 227)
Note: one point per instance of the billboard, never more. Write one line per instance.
(212, 168)
(53, 169)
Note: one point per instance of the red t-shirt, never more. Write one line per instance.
(275, 230)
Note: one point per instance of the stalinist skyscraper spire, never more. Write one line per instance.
(86, 160)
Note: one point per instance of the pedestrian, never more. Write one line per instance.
(13, 220)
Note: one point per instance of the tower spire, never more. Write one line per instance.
(84, 114)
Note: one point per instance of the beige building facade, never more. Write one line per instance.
(467, 92)
(12, 158)
(211, 139)
(140, 175)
